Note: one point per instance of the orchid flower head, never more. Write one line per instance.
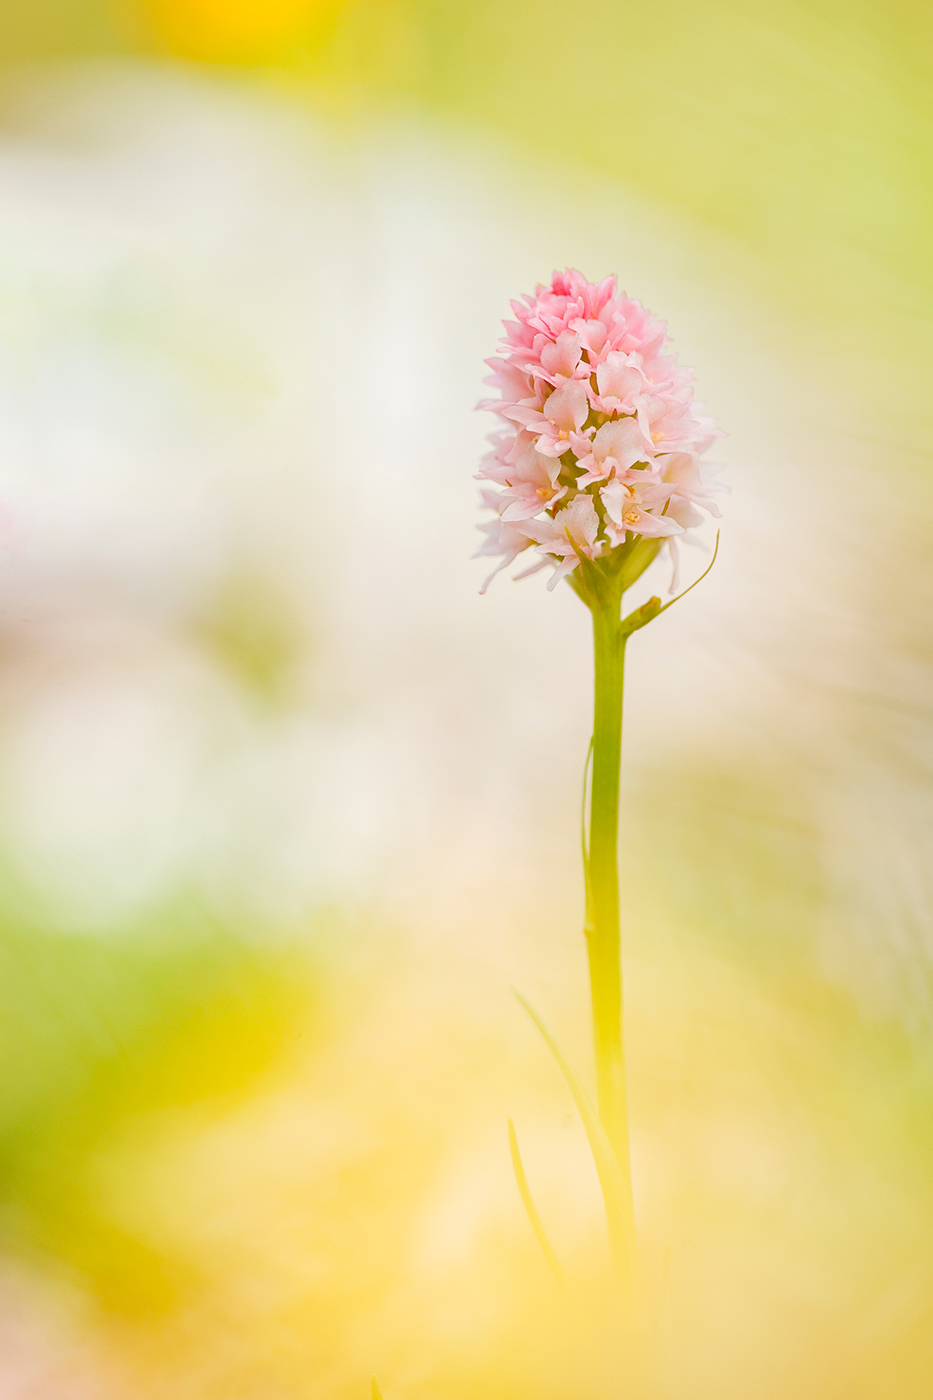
(600, 441)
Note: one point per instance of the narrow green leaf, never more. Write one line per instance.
(531, 1209)
(695, 581)
(616, 1191)
(654, 607)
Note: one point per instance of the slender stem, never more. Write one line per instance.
(602, 930)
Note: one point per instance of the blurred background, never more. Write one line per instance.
(285, 806)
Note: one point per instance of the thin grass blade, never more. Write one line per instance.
(617, 1196)
(531, 1210)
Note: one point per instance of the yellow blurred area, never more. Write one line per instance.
(285, 806)
(235, 30)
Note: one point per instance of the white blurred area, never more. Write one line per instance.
(243, 649)
(240, 351)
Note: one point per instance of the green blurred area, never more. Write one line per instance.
(804, 131)
(101, 1034)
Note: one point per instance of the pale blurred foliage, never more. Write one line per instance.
(286, 806)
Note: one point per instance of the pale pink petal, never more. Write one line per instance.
(567, 408)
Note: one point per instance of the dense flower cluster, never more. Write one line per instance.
(602, 441)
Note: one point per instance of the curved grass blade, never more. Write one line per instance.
(531, 1210)
(617, 1196)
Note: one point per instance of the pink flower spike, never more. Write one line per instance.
(590, 397)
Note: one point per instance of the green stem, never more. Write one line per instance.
(602, 930)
